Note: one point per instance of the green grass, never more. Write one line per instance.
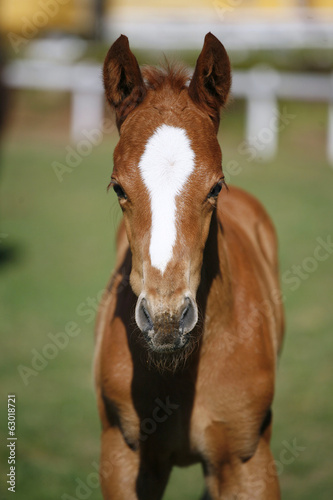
(64, 236)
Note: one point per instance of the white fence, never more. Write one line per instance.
(260, 87)
(238, 27)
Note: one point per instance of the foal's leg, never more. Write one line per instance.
(125, 475)
(255, 479)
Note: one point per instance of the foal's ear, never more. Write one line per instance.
(123, 82)
(211, 81)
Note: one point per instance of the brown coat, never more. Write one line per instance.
(211, 403)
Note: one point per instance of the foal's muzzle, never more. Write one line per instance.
(166, 331)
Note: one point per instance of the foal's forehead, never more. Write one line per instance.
(168, 159)
(169, 138)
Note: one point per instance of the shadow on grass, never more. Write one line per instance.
(10, 254)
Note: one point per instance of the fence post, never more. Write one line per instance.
(262, 112)
(86, 113)
(87, 101)
(330, 124)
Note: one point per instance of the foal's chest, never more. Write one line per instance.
(187, 421)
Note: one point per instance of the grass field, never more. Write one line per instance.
(63, 233)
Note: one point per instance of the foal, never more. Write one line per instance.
(186, 349)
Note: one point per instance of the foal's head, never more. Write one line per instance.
(167, 175)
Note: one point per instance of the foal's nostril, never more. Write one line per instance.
(143, 317)
(189, 316)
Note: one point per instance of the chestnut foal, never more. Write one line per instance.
(191, 324)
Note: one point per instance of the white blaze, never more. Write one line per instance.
(165, 166)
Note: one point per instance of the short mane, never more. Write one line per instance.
(172, 75)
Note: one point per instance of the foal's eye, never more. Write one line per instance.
(119, 191)
(216, 190)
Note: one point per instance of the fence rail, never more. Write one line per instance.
(262, 88)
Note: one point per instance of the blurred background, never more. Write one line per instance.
(57, 222)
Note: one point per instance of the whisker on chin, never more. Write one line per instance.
(167, 362)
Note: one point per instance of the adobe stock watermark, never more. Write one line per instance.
(57, 342)
(278, 122)
(161, 413)
(75, 155)
(84, 488)
(294, 276)
(41, 358)
(224, 7)
(30, 28)
(288, 455)
(3, 237)
(258, 311)
(290, 452)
